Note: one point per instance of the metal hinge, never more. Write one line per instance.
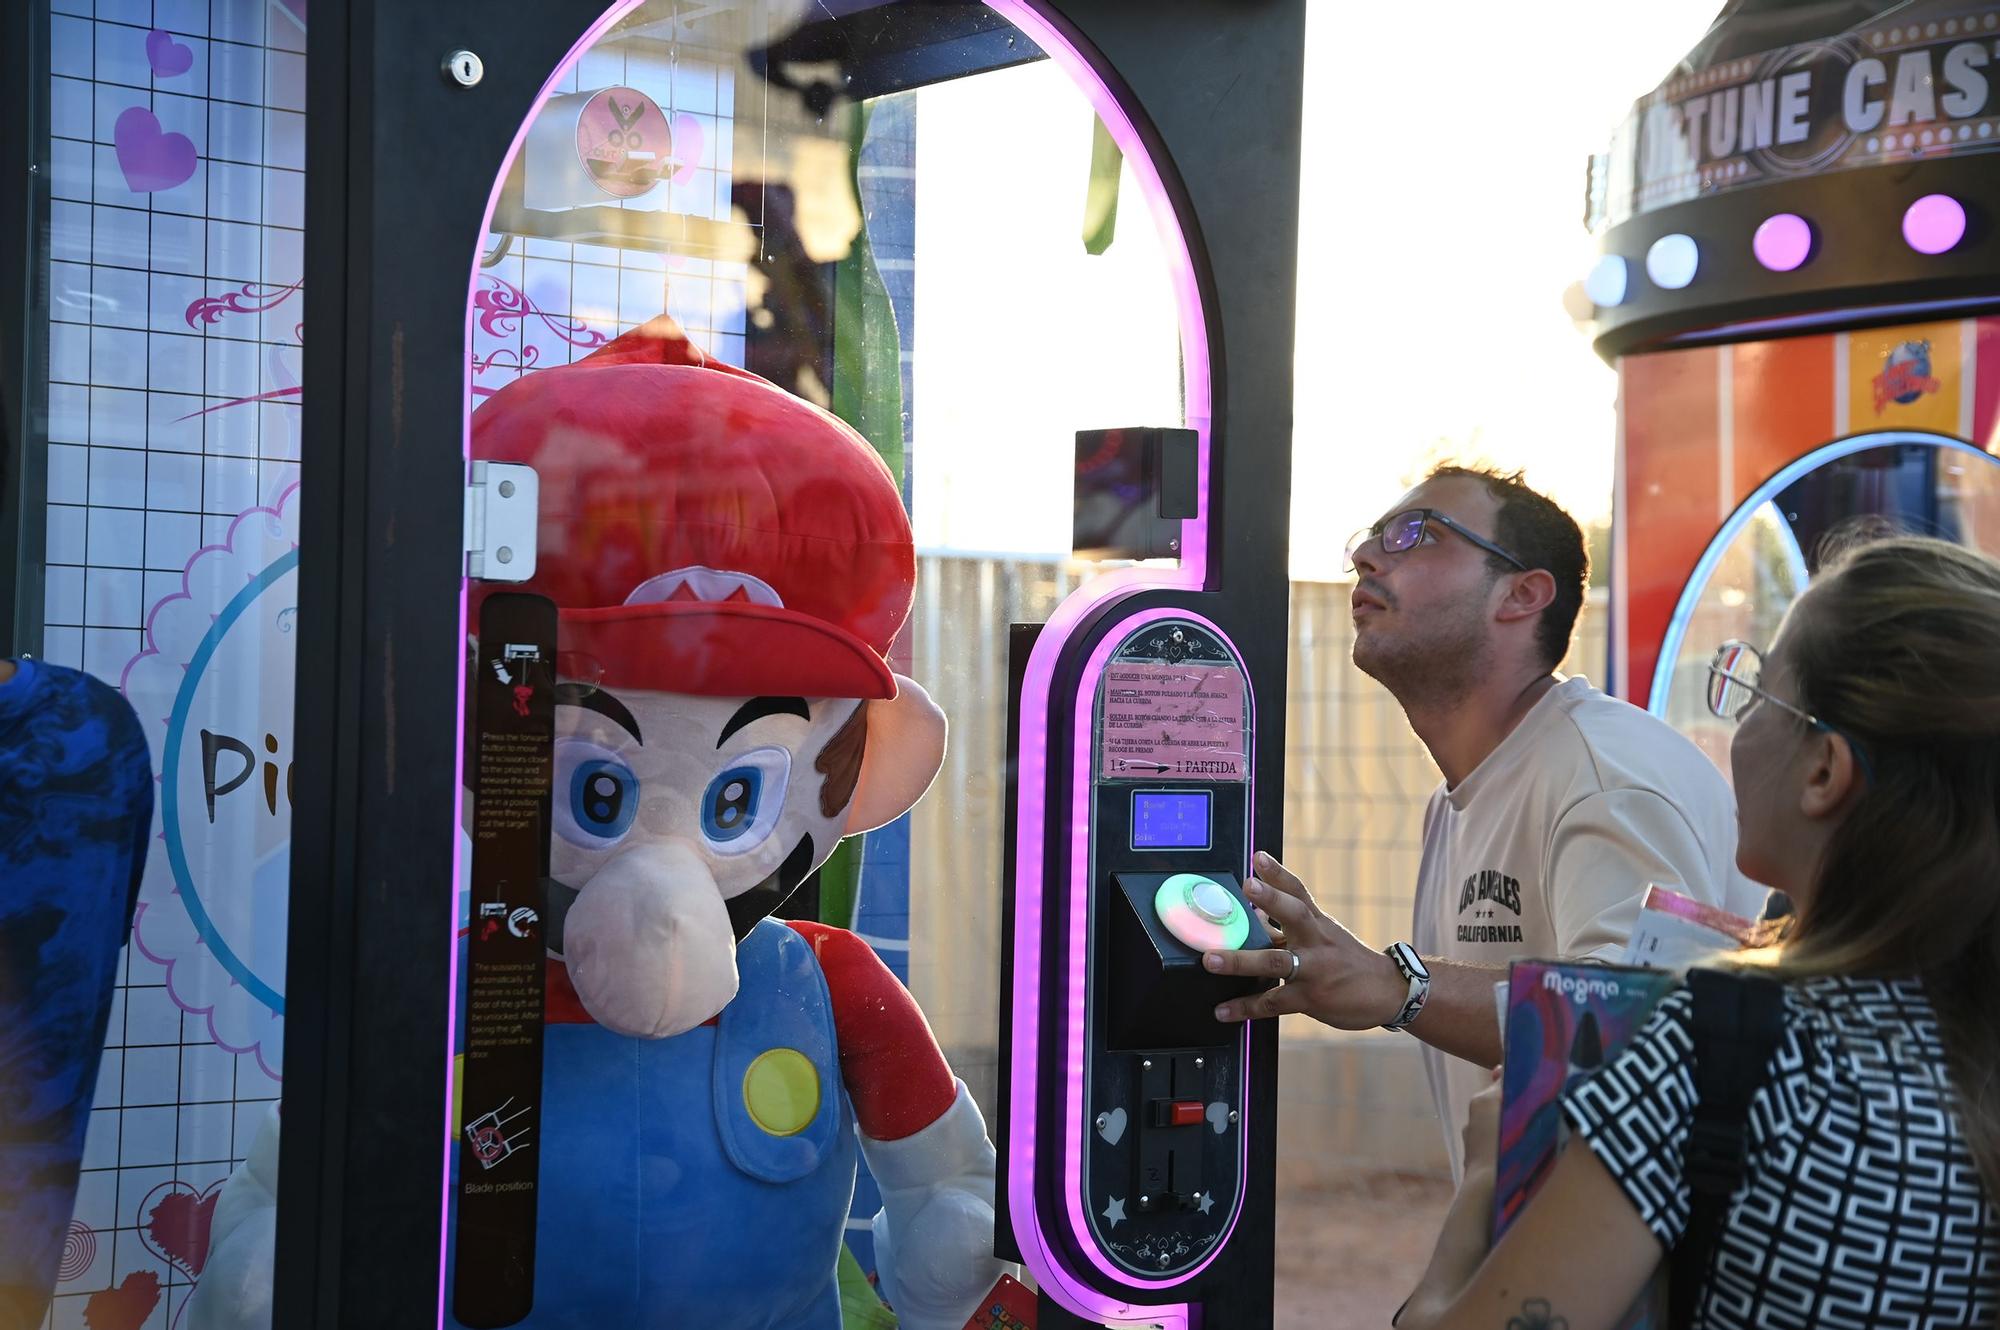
(501, 510)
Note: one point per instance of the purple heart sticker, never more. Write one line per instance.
(687, 146)
(167, 56)
(151, 159)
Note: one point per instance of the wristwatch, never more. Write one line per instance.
(1413, 969)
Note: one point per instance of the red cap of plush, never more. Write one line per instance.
(703, 531)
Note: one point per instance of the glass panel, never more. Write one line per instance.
(902, 218)
(1764, 558)
(173, 257)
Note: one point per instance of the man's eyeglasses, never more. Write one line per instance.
(1407, 529)
(1734, 675)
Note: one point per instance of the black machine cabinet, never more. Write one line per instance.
(1214, 88)
(1150, 1118)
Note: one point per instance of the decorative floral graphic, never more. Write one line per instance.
(507, 358)
(250, 298)
(502, 306)
(214, 690)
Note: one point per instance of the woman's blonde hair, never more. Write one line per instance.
(1897, 646)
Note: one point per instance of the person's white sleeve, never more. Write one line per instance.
(236, 1283)
(1603, 854)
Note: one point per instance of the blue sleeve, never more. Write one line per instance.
(76, 808)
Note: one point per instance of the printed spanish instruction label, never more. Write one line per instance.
(1173, 722)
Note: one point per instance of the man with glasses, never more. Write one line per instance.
(1559, 804)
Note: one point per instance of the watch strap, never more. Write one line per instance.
(1420, 985)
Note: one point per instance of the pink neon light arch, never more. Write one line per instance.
(1189, 574)
(1037, 685)
(1079, 891)
(589, 38)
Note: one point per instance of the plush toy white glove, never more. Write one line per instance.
(934, 1233)
(234, 1292)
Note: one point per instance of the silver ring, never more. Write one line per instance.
(1295, 966)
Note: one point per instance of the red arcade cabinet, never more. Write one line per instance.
(1798, 264)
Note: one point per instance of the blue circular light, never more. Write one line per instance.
(1607, 282)
(1672, 260)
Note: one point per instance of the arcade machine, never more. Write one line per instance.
(1136, 1138)
(1799, 264)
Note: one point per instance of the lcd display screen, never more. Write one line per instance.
(1170, 820)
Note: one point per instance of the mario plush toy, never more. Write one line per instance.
(730, 566)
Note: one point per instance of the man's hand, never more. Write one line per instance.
(1339, 980)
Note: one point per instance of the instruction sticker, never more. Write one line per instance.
(499, 1175)
(1173, 722)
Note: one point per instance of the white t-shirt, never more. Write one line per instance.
(1547, 847)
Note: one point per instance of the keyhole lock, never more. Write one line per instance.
(464, 68)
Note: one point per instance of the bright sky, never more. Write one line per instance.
(1441, 220)
(1022, 338)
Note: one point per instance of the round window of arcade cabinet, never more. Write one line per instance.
(787, 321)
(1769, 550)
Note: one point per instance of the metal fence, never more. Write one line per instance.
(1356, 781)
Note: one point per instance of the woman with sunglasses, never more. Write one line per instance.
(1867, 772)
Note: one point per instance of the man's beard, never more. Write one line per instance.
(1431, 665)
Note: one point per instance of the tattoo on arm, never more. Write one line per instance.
(1536, 1314)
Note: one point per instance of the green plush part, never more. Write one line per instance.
(867, 394)
(1100, 200)
(867, 345)
(861, 1307)
(840, 884)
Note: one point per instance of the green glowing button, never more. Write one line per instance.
(1202, 913)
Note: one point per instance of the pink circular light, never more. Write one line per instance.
(1783, 241)
(1934, 223)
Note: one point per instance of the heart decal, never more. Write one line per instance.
(151, 159)
(174, 1222)
(167, 57)
(1218, 1117)
(125, 1307)
(1111, 1126)
(688, 145)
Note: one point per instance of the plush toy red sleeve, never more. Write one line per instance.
(897, 1078)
